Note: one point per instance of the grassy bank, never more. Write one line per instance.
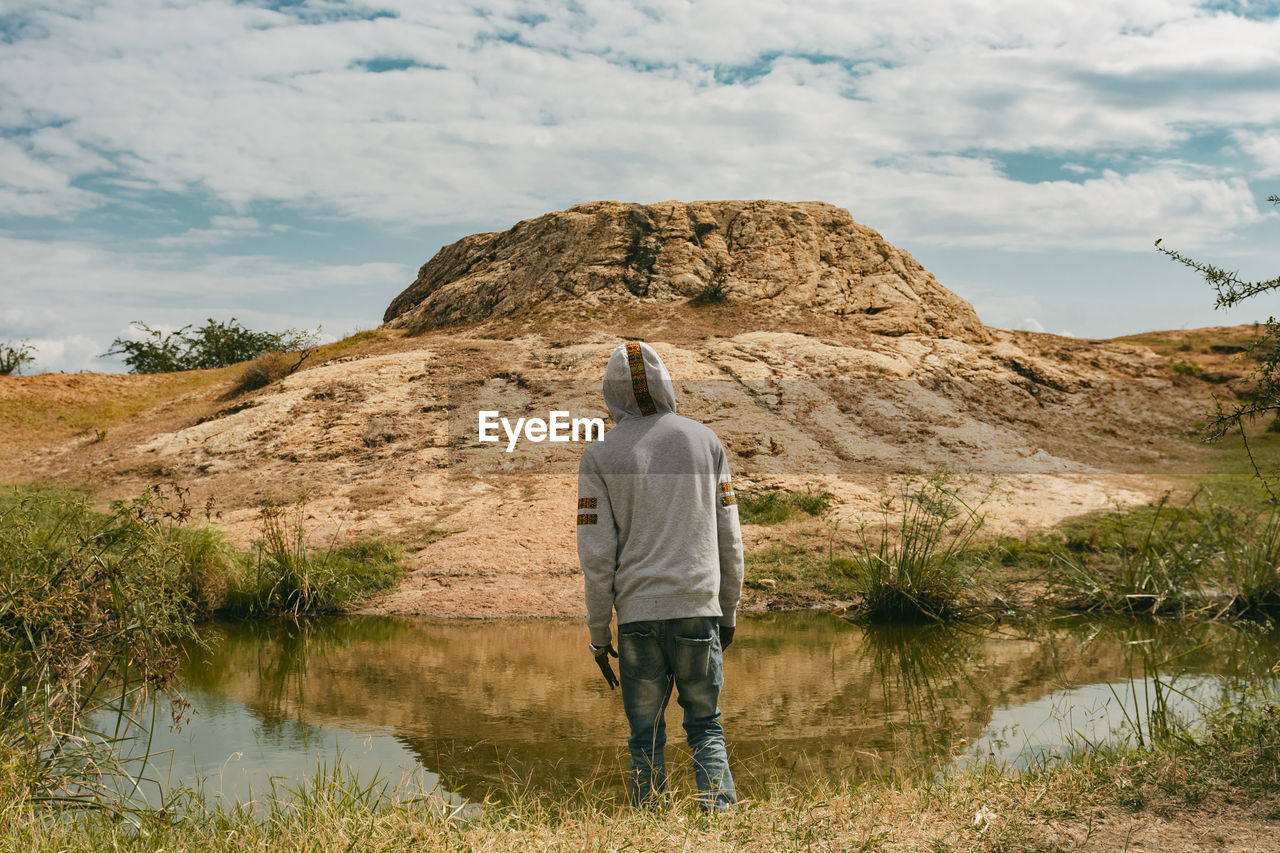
(96, 607)
(1195, 791)
(281, 573)
(1209, 547)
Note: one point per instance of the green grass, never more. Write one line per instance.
(777, 507)
(63, 563)
(798, 574)
(355, 342)
(208, 567)
(1210, 547)
(35, 413)
(1159, 571)
(1197, 340)
(1201, 556)
(285, 574)
(39, 409)
(96, 607)
(917, 565)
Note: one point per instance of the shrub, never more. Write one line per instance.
(1246, 567)
(207, 569)
(91, 616)
(714, 293)
(263, 370)
(13, 357)
(96, 607)
(916, 571)
(1264, 398)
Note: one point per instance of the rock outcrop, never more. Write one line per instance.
(775, 256)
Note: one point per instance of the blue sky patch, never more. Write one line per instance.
(1145, 89)
(384, 64)
(1035, 167)
(321, 13)
(762, 65)
(530, 19)
(15, 27)
(1254, 10)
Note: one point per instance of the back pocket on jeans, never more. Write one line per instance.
(693, 657)
(640, 655)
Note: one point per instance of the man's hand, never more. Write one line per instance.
(726, 636)
(606, 668)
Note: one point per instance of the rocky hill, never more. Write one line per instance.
(822, 356)
(778, 257)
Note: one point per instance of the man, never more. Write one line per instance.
(658, 540)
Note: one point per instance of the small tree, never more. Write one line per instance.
(215, 344)
(157, 352)
(219, 344)
(1265, 396)
(14, 356)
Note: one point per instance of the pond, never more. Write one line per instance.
(480, 704)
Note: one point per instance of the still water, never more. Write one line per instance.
(482, 703)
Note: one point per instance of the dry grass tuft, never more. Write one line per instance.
(265, 369)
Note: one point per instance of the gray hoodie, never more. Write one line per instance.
(658, 534)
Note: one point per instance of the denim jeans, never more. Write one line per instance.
(654, 656)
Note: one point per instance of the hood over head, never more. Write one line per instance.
(636, 383)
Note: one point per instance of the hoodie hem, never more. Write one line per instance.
(668, 607)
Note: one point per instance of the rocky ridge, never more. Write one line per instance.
(777, 256)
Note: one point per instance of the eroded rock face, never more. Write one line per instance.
(784, 256)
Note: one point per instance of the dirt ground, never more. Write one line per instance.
(1170, 828)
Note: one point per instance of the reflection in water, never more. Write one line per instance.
(481, 702)
(925, 674)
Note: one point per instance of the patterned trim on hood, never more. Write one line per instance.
(639, 380)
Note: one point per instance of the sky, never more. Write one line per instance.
(292, 164)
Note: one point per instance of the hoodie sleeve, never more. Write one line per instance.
(597, 549)
(729, 536)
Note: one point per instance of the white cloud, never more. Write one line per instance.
(46, 271)
(69, 354)
(1264, 148)
(220, 230)
(622, 100)
(235, 223)
(1110, 211)
(32, 186)
(911, 113)
(23, 321)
